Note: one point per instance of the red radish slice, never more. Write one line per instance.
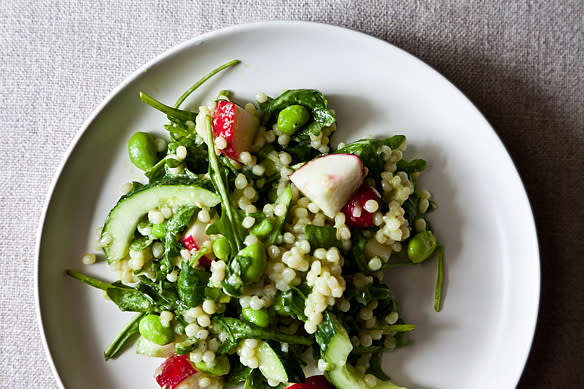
(237, 126)
(314, 382)
(356, 213)
(194, 237)
(330, 181)
(174, 371)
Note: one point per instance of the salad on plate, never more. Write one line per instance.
(253, 253)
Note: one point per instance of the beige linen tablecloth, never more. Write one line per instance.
(520, 62)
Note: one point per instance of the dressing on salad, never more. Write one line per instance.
(254, 249)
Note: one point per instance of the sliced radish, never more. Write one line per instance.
(314, 382)
(236, 126)
(194, 238)
(174, 371)
(356, 210)
(330, 181)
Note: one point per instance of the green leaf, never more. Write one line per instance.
(191, 285)
(127, 336)
(369, 150)
(291, 303)
(414, 166)
(309, 98)
(284, 198)
(140, 243)
(238, 330)
(130, 300)
(322, 237)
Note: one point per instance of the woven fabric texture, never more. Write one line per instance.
(520, 62)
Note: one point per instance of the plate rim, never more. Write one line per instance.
(244, 27)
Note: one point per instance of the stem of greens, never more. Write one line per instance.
(398, 328)
(202, 80)
(439, 279)
(127, 333)
(217, 179)
(170, 111)
(88, 280)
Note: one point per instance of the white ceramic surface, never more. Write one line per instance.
(481, 338)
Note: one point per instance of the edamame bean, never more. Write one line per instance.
(257, 262)
(159, 230)
(292, 118)
(262, 229)
(221, 248)
(258, 317)
(142, 150)
(421, 246)
(152, 329)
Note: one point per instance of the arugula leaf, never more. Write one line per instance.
(291, 303)
(172, 246)
(322, 237)
(191, 284)
(127, 336)
(238, 330)
(140, 243)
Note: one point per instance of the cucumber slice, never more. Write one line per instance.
(151, 349)
(335, 347)
(124, 217)
(271, 365)
(221, 366)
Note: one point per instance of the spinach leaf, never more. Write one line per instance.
(377, 291)
(140, 243)
(127, 336)
(369, 150)
(130, 300)
(359, 259)
(309, 98)
(413, 166)
(325, 237)
(191, 284)
(163, 293)
(238, 374)
(238, 330)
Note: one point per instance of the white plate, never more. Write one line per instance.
(482, 337)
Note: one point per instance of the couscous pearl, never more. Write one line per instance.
(423, 205)
(283, 139)
(340, 219)
(312, 207)
(375, 263)
(172, 276)
(105, 239)
(127, 188)
(127, 276)
(249, 192)
(420, 225)
(196, 356)
(240, 181)
(285, 158)
(392, 318)
(261, 97)
(166, 316)
(258, 170)
(208, 356)
(248, 222)
(88, 259)
(365, 313)
(250, 239)
(270, 136)
(202, 334)
(181, 153)
(209, 306)
(371, 206)
(204, 216)
(157, 249)
(204, 320)
(366, 340)
(159, 144)
(320, 253)
(370, 380)
(280, 210)
(155, 217)
(245, 158)
(323, 149)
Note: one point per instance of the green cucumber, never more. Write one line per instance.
(271, 365)
(151, 349)
(221, 366)
(335, 347)
(123, 219)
